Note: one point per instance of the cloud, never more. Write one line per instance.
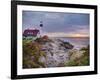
(62, 34)
(64, 23)
(53, 16)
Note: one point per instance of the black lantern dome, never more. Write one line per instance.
(41, 24)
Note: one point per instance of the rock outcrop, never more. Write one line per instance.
(56, 51)
(52, 52)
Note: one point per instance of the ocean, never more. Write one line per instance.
(77, 42)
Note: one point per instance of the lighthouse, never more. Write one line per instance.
(41, 25)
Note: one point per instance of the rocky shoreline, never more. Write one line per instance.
(46, 52)
(56, 52)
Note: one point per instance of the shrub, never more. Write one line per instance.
(32, 49)
(82, 61)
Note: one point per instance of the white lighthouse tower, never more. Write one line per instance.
(41, 26)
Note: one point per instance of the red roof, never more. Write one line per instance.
(30, 32)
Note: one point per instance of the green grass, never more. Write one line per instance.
(32, 49)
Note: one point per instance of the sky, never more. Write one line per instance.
(57, 24)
